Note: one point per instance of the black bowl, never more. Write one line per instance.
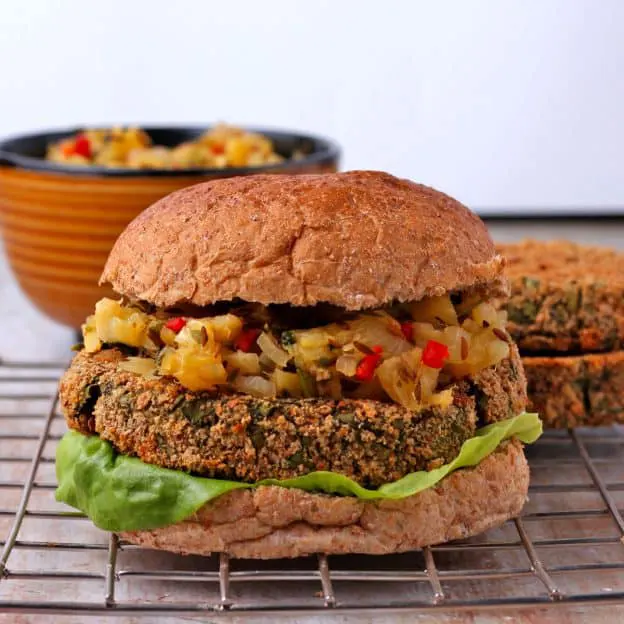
(28, 151)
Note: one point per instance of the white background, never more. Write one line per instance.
(498, 102)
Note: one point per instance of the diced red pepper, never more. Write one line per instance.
(435, 354)
(408, 331)
(247, 339)
(82, 146)
(365, 370)
(67, 148)
(217, 148)
(176, 324)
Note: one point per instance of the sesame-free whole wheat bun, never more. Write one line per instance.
(321, 350)
(356, 240)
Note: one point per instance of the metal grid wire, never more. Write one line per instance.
(566, 548)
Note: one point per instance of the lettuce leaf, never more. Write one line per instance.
(121, 493)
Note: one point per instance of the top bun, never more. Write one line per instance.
(357, 240)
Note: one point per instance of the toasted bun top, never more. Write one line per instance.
(357, 240)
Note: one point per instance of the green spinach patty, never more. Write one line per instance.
(249, 439)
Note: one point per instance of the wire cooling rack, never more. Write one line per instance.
(566, 549)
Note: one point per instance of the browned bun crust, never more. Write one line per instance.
(272, 522)
(357, 240)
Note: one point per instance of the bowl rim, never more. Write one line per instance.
(329, 152)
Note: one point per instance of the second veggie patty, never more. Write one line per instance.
(247, 439)
(577, 391)
(565, 297)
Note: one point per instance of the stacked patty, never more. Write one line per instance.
(566, 313)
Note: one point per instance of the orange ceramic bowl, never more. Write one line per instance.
(59, 222)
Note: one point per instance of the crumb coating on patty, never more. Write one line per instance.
(247, 439)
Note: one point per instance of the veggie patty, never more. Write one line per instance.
(233, 436)
(564, 297)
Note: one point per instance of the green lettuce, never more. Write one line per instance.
(121, 493)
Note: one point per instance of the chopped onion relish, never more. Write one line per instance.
(407, 353)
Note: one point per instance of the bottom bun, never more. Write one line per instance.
(274, 522)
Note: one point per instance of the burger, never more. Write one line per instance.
(298, 364)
